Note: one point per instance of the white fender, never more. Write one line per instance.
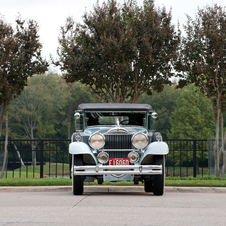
(157, 148)
(80, 148)
(154, 148)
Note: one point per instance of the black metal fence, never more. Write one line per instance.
(49, 158)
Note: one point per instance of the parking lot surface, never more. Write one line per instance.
(112, 206)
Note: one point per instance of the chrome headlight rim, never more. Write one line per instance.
(101, 160)
(159, 137)
(137, 157)
(76, 137)
(135, 136)
(101, 146)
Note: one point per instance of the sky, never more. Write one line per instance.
(52, 14)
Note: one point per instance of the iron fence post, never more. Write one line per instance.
(41, 160)
(194, 158)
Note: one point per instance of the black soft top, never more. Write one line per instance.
(114, 107)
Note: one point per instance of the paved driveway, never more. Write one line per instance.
(116, 207)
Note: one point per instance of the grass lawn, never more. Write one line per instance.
(170, 181)
(49, 170)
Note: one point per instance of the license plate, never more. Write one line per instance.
(118, 161)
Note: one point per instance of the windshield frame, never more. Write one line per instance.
(116, 114)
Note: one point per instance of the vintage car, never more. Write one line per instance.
(117, 142)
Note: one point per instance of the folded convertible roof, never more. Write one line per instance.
(114, 107)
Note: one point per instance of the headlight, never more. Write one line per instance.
(102, 157)
(97, 140)
(133, 156)
(159, 137)
(76, 137)
(139, 140)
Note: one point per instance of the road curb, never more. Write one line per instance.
(113, 189)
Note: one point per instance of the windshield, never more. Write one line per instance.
(114, 118)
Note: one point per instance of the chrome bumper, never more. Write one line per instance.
(109, 170)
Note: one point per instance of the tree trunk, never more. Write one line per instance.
(222, 146)
(1, 121)
(224, 165)
(18, 153)
(6, 141)
(216, 149)
(217, 165)
(33, 147)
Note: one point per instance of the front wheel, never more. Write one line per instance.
(77, 181)
(159, 180)
(148, 185)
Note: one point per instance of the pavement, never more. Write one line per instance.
(111, 189)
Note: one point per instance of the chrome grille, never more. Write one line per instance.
(115, 141)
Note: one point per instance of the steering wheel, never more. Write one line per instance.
(127, 120)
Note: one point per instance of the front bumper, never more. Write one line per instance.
(126, 170)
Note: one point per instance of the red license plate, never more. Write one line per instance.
(118, 161)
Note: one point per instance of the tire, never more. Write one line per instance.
(148, 185)
(70, 164)
(100, 180)
(159, 180)
(77, 181)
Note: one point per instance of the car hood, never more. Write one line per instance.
(107, 129)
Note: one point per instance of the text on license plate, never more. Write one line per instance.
(118, 161)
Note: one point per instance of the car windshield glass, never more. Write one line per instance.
(114, 118)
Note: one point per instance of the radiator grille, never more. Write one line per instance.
(114, 141)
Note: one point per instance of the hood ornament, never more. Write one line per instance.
(118, 128)
(117, 122)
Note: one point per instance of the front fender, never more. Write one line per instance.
(80, 148)
(155, 148)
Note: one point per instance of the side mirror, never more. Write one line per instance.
(77, 115)
(78, 121)
(154, 115)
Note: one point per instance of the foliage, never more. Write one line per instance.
(203, 60)
(20, 57)
(120, 51)
(40, 101)
(192, 118)
(164, 104)
(46, 107)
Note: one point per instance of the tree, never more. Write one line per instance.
(192, 118)
(164, 104)
(203, 62)
(34, 111)
(120, 51)
(45, 108)
(20, 58)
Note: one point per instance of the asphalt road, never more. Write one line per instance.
(112, 206)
